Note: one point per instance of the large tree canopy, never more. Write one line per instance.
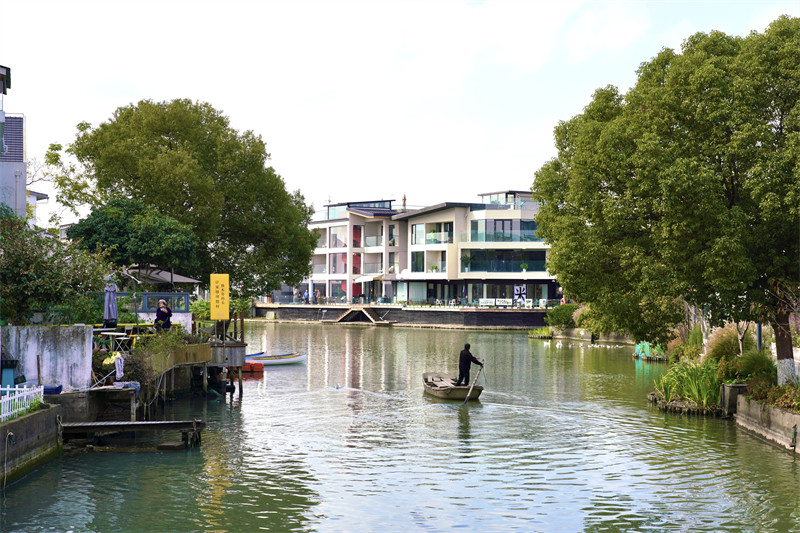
(685, 189)
(38, 271)
(184, 159)
(135, 233)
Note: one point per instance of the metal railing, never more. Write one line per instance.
(17, 401)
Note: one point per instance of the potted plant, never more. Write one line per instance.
(434, 268)
(524, 267)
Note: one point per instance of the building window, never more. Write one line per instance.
(418, 234)
(358, 232)
(338, 237)
(338, 263)
(392, 241)
(503, 230)
(503, 261)
(418, 261)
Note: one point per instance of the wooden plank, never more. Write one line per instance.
(124, 425)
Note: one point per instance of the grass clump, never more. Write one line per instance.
(691, 380)
(723, 344)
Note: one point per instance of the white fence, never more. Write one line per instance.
(17, 400)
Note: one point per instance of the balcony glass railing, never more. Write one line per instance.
(375, 240)
(318, 269)
(439, 237)
(503, 266)
(513, 236)
(373, 268)
(437, 267)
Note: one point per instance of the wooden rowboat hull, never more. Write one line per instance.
(279, 359)
(443, 386)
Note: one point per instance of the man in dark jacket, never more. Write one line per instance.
(465, 360)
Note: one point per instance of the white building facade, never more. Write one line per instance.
(483, 253)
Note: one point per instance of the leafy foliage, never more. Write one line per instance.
(185, 160)
(561, 316)
(693, 380)
(201, 309)
(38, 272)
(684, 189)
(135, 233)
(723, 343)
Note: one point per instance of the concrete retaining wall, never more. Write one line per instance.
(467, 317)
(772, 423)
(34, 441)
(65, 353)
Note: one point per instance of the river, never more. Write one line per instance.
(563, 439)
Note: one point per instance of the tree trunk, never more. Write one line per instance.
(783, 346)
(741, 333)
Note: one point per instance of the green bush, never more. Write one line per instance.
(201, 309)
(695, 336)
(724, 343)
(692, 380)
(786, 396)
(561, 316)
(759, 364)
(544, 331)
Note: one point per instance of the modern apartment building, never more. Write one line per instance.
(448, 253)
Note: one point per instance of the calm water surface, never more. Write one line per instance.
(562, 440)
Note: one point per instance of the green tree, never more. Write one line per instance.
(135, 233)
(37, 271)
(685, 189)
(184, 159)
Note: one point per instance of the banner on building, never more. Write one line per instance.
(220, 297)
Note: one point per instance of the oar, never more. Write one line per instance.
(473, 384)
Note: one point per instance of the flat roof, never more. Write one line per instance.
(355, 203)
(433, 209)
(504, 192)
(372, 212)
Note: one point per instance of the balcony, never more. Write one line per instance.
(318, 269)
(439, 237)
(514, 236)
(375, 240)
(437, 267)
(373, 268)
(504, 266)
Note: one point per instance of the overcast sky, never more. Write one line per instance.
(357, 100)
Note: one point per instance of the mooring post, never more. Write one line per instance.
(240, 383)
(205, 378)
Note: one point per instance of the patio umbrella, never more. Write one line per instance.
(110, 307)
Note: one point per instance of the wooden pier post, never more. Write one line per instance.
(240, 383)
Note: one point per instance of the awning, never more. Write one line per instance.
(366, 279)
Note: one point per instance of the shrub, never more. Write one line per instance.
(560, 317)
(724, 343)
(544, 331)
(759, 363)
(786, 396)
(693, 380)
(758, 388)
(695, 336)
(730, 370)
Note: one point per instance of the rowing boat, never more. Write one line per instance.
(278, 359)
(444, 386)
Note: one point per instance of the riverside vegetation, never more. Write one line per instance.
(693, 381)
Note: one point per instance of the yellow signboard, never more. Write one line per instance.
(220, 297)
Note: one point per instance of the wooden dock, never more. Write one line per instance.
(190, 429)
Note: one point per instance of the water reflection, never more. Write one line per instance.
(562, 440)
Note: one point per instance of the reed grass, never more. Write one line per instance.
(691, 380)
